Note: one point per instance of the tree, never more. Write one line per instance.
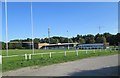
(81, 40)
(103, 39)
(28, 40)
(61, 40)
(11, 46)
(73, 39)
(107, 36)
(42, 40)
(98, 38)
(3, 45)
(66, 40)
(117, 39)
(89, 39)
(112, 40)
(52, 41)
(57, 41)
(70, 40)
(36, 40)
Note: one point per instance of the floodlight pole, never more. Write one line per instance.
(45, 42)
(68, 41)
(49, 34)
(6, 22)
(32, 27)
(99, 29)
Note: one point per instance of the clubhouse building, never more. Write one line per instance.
(72, 46)
(57, 46)
(93, 46)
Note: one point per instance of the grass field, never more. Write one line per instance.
(21, 52)
(11, 63)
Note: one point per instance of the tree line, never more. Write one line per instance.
(113, 40)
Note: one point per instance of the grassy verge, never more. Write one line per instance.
(12, 63)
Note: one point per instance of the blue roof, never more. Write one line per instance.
(97, 44)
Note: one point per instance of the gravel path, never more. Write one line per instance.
(96, 66)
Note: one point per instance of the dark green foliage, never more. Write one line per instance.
(89, 39)
(3, 45)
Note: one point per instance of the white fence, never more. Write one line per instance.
(50, 53)
(29, 56)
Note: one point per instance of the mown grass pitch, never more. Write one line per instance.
(21, 52)
(11, 63)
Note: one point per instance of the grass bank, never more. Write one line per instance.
(12, 63)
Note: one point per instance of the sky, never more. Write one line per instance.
(0, 22)
(75, 17)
